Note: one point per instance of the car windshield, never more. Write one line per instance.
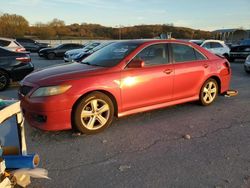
(90, 46)
(59, 45)
(102, 45)
(245, 42)
(110, 55)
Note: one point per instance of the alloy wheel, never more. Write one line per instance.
(209, 92)
(95, 114)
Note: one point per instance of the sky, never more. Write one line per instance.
(198, 14)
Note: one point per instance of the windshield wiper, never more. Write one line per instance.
(87, 63)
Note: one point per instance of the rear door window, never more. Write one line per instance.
(216, 45)
(206, 45)
(4, 43)
(185, 53)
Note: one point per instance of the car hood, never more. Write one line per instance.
(46, 49)
(62, 73)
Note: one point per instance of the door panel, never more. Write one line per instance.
(146, 86)
(188, 78)
(150, 84)
(190, 68)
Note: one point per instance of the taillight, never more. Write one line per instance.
(20, 50)
(23, 59)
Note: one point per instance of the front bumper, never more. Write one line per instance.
(48, 121)
(240, 55)
(66, 59)
(47, 113)
(247, 67)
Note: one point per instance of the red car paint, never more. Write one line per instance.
(133, 89)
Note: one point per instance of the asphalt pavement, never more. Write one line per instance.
(187, 145)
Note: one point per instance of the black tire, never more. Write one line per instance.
(4, 80)
(91, 124)
(209, 96)
(51, 56)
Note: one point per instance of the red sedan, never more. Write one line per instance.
(123, 78)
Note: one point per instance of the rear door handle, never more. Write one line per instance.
(168, 71)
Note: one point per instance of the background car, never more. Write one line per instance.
(217, 47)
(239, 52)
(80, 56)
(245, 42)
(123, 78)
(75, 54)
(58, 51)
(247, 64)
(13, 66)
(198, 42)
(32, 45)
(11, 44)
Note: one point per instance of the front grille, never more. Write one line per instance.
(24, 90)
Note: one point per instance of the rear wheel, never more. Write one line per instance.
(51, 56)
(209, 92)
(4, 80)
(93, 113)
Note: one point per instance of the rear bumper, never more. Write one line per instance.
(41, 54)
(18, 73)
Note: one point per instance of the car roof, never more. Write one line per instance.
(8, 39)
(212, 40)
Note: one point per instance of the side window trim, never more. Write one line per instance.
(171, 55)
(167, 50)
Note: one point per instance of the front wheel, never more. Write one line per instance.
(93, 113)
(51, 56)
(209, 92)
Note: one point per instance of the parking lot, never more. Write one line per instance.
(149, 149)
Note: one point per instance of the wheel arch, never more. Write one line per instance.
(217, 79)
(110, 95)
(5, 71)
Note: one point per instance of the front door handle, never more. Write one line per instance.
(206, 65)
(168, 71)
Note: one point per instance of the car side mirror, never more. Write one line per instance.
(136, 63)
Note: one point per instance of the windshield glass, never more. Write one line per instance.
(58, 45)
(111, 55)
(91, 46)
(245, 42)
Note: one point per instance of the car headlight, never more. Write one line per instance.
(248, 60)
(50, 90)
